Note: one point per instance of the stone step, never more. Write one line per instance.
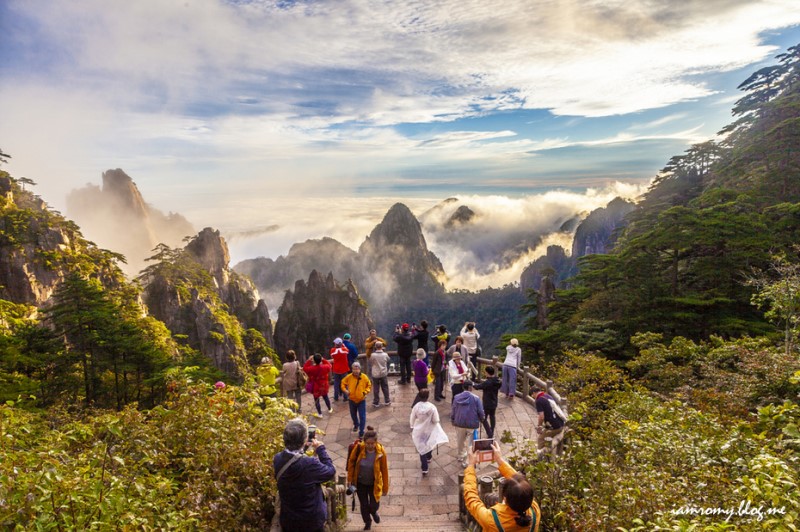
(400, 524)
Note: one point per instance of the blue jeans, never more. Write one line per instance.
(509, 383)
(358, 413)
(337, 386)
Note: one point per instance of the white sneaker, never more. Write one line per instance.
(330, 410)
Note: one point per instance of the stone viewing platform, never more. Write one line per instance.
(414, 502)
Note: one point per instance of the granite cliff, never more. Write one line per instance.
(38, 247)
(596, 234)
(194, 292)
(316, 312)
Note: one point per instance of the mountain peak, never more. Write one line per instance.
(398, 228)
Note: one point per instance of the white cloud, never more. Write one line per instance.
(386, 63)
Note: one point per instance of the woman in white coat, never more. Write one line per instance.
(426, 431)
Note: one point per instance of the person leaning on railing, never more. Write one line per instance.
(516, 513)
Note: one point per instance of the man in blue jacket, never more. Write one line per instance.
(300, 479)
(352, 350)
(467, 415)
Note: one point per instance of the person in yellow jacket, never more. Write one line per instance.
(517, 513)
(357, 386)
(368, 473)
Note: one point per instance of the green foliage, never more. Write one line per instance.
(728, 378)
(202, 460)
(633, 459)
(175, 276)
(780, 295)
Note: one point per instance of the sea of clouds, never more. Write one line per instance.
(504, 235)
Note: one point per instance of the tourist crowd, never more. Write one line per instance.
(304, 464)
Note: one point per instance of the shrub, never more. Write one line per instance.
(202, 460)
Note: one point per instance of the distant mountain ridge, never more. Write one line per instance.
(392, 267)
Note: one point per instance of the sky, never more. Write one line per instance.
(316, 116)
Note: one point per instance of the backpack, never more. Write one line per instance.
(302, 377)
(350, 449)
(557, 409)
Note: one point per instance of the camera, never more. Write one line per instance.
(312, 432)
(351, 489)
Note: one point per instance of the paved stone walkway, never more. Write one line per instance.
(414, 502)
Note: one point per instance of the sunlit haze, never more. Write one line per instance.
(279, 121)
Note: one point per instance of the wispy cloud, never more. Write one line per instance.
(264, 98)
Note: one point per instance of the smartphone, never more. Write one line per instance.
(312, 432)
(482, 445)
(483, 448)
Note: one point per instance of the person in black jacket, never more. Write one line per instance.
(490, 387)
(300, 479)
(421, 335)
(405, 348)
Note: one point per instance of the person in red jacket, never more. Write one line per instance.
(318, 371)
(341, 367)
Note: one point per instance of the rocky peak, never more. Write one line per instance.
(597, 233)
(400, 269)
(316, 312)
(119, 188)
(555, 264)
(211, 251)
(461, 216)
(215, 321)
(399, 227)
(117, 217)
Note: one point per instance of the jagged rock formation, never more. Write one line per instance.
(400, 269)
(194, 292)
(274, 277)
(461, 216)
(38, 247)
(24, 278)
(597, 233)
(117, 217)
(316, 312)
(394, 255)
(556, 261)
(544, 295)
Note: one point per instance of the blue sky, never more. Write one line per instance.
(227, 111)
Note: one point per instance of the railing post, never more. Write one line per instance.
(485, 485)
(526, 385)
(462, 505)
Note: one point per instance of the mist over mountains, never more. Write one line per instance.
(116, 217)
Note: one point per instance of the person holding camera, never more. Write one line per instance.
(441, 334)
(421, 335)
(368, 476)
(470, 336)
(518, 512)
(404, 339)
(300, 479)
